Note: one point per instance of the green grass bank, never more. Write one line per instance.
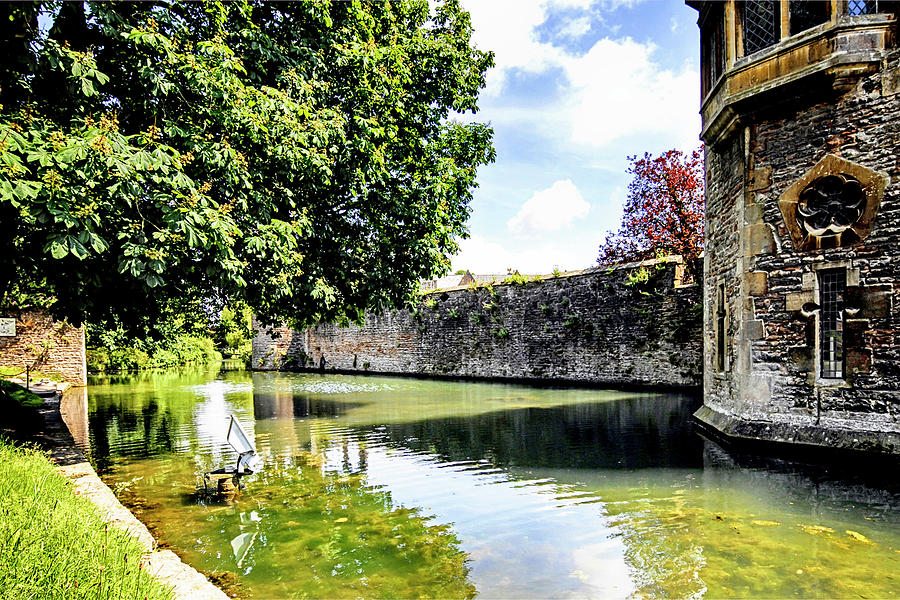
(54, 544)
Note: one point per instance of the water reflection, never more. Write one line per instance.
(294, 405)
(632, 433)
(389, 487)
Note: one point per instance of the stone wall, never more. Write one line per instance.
(769, 384)
(52, 347)
(593, 327)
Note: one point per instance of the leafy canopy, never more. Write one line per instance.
(299, 156)
(663, 212)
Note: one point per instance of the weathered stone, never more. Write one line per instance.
(759, 179)
(590, 328)
(757, 283)
(808, 282)
(754, 329)
(50, 346)
(853, 332)
(810, 108)
(873, 184)
(858, 361)
(795, 301)
(759, 240)
(801, 358)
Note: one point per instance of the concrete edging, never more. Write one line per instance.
(812, 441)
(186, 582)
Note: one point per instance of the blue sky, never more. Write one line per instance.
(579, 86)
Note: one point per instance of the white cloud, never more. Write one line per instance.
(550, 209)
(576, 28)
(482, 256)
(618, 91)
(478, 255)
(615, 90)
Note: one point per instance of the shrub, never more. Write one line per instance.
(128, 359)
(97, 359)
(572, 320)
(516, 279)
(637, 277)
(164, 357)
(194, 349)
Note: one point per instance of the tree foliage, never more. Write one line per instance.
(299, 156)
(664, 211)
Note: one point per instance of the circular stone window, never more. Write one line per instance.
(830, 205)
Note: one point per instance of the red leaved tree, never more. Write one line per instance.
(663, 211)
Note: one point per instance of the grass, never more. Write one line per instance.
(10, 391)
(19, 409)
(53, 544)
(35, 374)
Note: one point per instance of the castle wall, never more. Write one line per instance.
(771, 386)
(589, 328)
(52, 347)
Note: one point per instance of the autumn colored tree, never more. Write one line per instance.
(663, 211)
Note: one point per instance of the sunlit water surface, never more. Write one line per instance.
(386, 487)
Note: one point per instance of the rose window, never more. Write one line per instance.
(830, 205)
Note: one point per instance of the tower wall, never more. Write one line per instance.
(766, 298)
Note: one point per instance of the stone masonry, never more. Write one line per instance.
(820, 107)
(53, 347)
(594, 327)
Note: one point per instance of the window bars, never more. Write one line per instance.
(761, 19)
(862, 7)
(832, 288)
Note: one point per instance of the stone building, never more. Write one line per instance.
(801, 121)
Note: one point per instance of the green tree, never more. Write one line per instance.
(301, 157)
(234, 331)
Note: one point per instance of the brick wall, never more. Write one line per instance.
(52, 347)
(588, 328)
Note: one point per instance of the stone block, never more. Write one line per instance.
(808, 282)
(858, 361)
(753, 213)
(757, 283)
(853, 332)
(876, 302)
(759, 179)
(754, 329)
(795, 300)
(872, 302)
(801, 357)
(758, 239)
(890, 81)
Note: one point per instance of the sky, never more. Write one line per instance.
(578, 86)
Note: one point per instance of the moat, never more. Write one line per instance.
(389, 487)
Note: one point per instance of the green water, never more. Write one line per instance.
(399, 488)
